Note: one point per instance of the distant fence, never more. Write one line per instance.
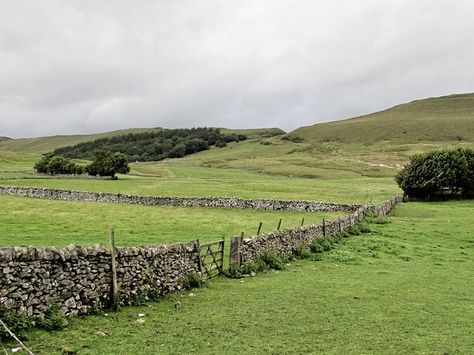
(286, 242)
(258, 204)
(82, 280)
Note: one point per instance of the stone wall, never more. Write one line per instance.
(261, 204)
(286, 242)
(79, 279)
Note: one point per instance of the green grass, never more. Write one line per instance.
(30, 221)
(406, 288)
(441, 119)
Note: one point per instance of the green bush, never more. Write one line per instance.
(316, 246)
(52, 319)
(247, 269)
(17, 323)
(274, 261)
(302, 252)
(431, 174)
(193, 281)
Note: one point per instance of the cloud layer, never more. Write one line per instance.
(90, 66)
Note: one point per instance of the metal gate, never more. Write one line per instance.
(211, 258)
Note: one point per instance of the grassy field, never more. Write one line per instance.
(30, 221)
(403, 289)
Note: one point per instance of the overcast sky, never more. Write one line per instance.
(69, 67)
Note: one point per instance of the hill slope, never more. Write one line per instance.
(47, 144)
(440, 119)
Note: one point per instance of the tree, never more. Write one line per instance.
(108, 164)
(55, 164)
(438, 172)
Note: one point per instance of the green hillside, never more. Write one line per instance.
(46, 144)
(4, 139)
(440, 119)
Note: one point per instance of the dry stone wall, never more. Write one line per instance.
(260, 204)
(79, 279)
(286, 242)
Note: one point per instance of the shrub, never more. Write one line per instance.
(302, 252)
(193, 281)
(17, 323)
(52, 319)
(430, 174)
(274, 261)
(247, 269)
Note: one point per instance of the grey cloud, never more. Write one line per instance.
(82, 66)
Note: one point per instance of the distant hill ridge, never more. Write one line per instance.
(438, 119)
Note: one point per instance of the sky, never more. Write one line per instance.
(78, 67)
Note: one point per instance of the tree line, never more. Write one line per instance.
(432, 174)
(153, 145)
(105, 164)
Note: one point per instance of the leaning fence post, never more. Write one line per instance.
(259, 228)
(302, 222)
(115, 290)
(279, 225)
(197, 249)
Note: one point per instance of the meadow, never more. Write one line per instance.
(403, 288)
(31, 221)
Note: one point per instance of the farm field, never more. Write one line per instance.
(31, 221)
(403, 288)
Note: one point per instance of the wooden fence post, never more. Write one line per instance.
(302, 222)
(197, 249)
(279, 224)
(115, 290)
(259, 228)
(324, 227)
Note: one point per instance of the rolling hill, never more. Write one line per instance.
(439, 119)
(47, 144)
(40, 145)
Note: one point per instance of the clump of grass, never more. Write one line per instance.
(247, 269)
(193, 281)
(52, 320)
(302, 252)
(275, 261)
(20, 324)
(344, 256)
(372, 218)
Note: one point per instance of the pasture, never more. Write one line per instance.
(31, 221)
(403, 288)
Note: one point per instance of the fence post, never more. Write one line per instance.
(339, 222)
(259, 228)
(324, 227)
(115, 290)
(302, 222)
(197, 250)
(235, 251)
(279, 224)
